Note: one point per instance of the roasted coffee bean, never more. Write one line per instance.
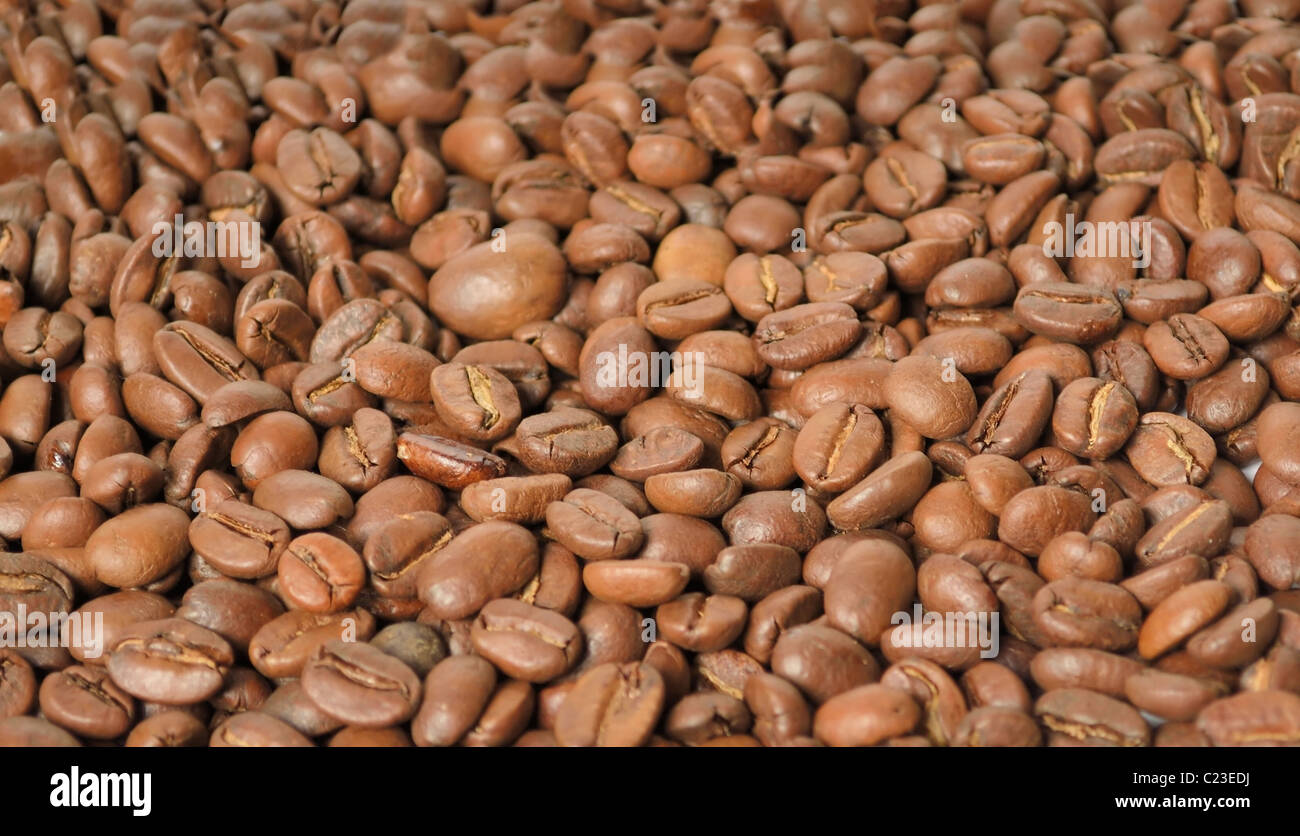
(417, 645)
(475, 401)
(612, 705)
(838, 446)
(282, 646)
(361, 685)
(805, 335)
(1169, 450)
(865, 716)
(1076, 612)
(139, 546)
(661, 450)
(885, 494)
(460, 582)
(574, 442)
(520, 499)
(1013, 417)
(594, 525)
(1076, 716)
(1186, 346)
(447, 462)
(1068, 312)
(17, 684)
(398, 548)
(698, 493)
(235, 611)
(1094, 418)
(171, 661)
(85, 701)
(255, 729)
(239, 540)
(931, 396)
(319, 573)
(526, 642)
(1251, 718)
(173, 728)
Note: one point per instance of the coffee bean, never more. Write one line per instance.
(1076, 612)
(140, 546)
(1253, 717)
(612, 705)
(570, 441)
(170, 661)
(526, 642)
(1094, 418)
(476, 401)
(594, 526)
(85, 701)
(253, 728)
(1076, 716)
(885, 494)
(1068, 312)
(361, 685)
(1013, 417)
(235, 611)
(283, 645)
(460, 582)
(1168, 450)
(932, 397)
(865, 716)
(447, 462)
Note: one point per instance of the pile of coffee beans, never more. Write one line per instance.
(632, 372)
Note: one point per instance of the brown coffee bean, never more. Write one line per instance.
(1094, 418)
(612, 705)
(460, 582)
(594, 525)
(931, 396)
(526, 642)
(1084, 717)
(446, 462)
(170, 661)
(570, 441)
(1075, 612)
(1168, 450)
(865, 716)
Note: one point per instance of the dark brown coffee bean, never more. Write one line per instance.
(1252, 718)
(885, 494)
(931, 396)
(238, 539)
(865, 716)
